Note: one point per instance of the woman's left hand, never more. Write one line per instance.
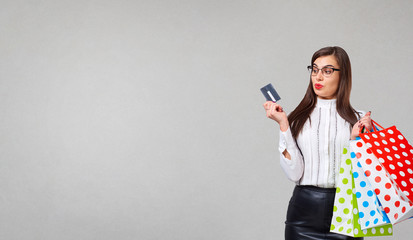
(365, 122)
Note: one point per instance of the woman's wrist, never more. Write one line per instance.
(284, 126)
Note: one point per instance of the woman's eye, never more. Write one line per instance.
(328, 71)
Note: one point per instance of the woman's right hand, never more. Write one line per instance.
(275, 112)
(365, 122)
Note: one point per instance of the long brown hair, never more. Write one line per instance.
(301, 113)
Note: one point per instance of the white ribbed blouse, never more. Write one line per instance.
(315, 157)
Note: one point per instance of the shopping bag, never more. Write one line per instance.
(345, 218)
(394, 153)
(395, 204)
(371, 213)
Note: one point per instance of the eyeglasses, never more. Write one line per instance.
(326, 71)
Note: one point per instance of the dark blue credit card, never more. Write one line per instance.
(269, 93)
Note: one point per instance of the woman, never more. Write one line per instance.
(312, 138)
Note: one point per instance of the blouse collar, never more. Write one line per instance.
(326, 102)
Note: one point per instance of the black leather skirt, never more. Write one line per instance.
(309, 214)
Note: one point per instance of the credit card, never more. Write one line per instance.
(269, 93)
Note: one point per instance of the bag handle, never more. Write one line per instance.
(374, 123)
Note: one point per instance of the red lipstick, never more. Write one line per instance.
(318, 86)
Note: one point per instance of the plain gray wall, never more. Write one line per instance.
(144, 120)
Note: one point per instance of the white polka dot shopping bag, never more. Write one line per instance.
(371, 213)
(395, 203)
(345, 218)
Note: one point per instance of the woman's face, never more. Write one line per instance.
(325, 87)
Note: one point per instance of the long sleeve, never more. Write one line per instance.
(293, 168)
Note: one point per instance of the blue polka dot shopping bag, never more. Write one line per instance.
(346, 213)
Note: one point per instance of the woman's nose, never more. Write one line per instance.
(319, 76)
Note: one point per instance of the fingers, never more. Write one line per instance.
(274, 111)
(365, 121)
(366, 117)
(267, 105)
(276, 108)
(272, 106)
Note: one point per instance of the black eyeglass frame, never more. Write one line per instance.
(310, 69)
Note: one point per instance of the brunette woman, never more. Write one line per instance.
(312, 138)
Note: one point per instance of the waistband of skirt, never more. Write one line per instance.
(316, 189)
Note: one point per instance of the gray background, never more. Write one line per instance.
(144, 120)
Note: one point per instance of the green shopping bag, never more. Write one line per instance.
(345, 213)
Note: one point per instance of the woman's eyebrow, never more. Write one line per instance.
(329, 65)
